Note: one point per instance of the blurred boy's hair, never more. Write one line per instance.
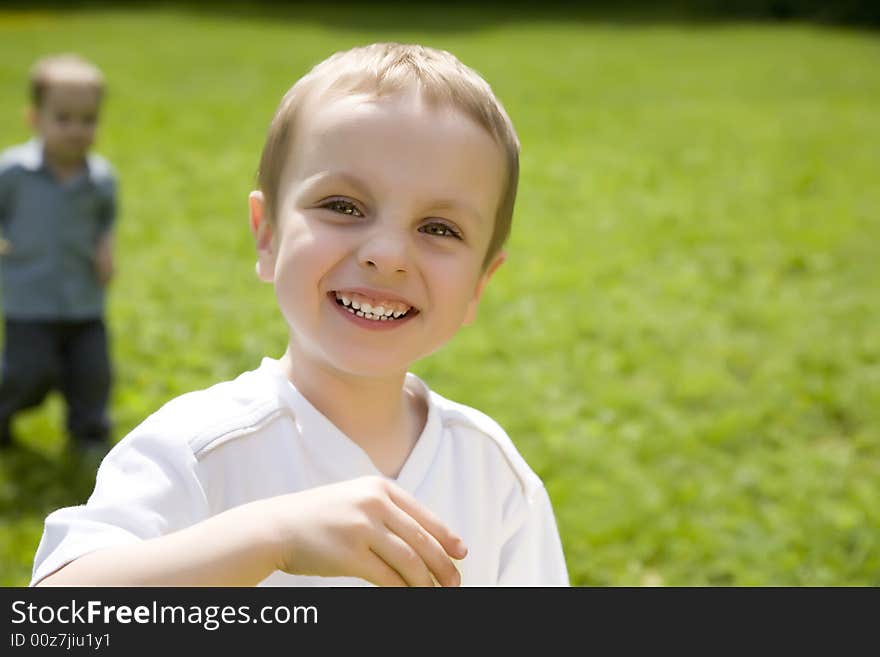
(65, 68)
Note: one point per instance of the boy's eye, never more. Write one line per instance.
(440, 229)
(343, 207)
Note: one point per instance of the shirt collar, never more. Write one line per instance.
(32, 155)
(340, 456)
(33, 158)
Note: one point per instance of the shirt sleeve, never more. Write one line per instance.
(109, 205)
(5, 194)
(147, 486)
(533, 555)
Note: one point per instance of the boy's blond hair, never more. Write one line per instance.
(386, 68)
(66, 68)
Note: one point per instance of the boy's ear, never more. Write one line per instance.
(30, 116)
(262, 232)
(471, 313)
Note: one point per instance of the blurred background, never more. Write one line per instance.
(684, 342)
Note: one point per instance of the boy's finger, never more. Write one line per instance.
(426, 546)
(450, 541)
(380, 573)
(400, 556)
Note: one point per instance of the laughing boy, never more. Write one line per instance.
(386, 191)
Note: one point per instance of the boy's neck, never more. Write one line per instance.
(380, 415)
(64, 169)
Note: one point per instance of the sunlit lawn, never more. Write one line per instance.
(684, 341)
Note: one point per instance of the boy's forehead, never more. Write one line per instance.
(354, 120)
(71, 93)
(334, 107)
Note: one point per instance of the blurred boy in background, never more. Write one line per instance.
(57, 209)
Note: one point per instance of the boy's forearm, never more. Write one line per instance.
(234, 548)
(104, 258)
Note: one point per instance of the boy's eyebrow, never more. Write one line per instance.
(324, 176)
(352, 180)
(456, 206)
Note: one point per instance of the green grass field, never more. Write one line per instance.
(684, 343)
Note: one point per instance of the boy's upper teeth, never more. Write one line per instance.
(375, 307)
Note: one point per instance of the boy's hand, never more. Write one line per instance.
(368, 528)
(104, 259)
(5, 247)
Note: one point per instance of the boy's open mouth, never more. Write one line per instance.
(385, 310)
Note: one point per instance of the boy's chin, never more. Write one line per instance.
(68, 156)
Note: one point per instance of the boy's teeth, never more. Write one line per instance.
(367, 310)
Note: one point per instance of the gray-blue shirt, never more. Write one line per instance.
(53, 228)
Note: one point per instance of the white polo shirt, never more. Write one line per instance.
(257, 437)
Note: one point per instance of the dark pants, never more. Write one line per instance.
(73, 357)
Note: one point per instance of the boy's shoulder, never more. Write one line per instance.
(26, 155)
(472, 424)
(100, 168)
(204, 419)
(29, 155)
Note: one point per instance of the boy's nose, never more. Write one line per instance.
(385, 253)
